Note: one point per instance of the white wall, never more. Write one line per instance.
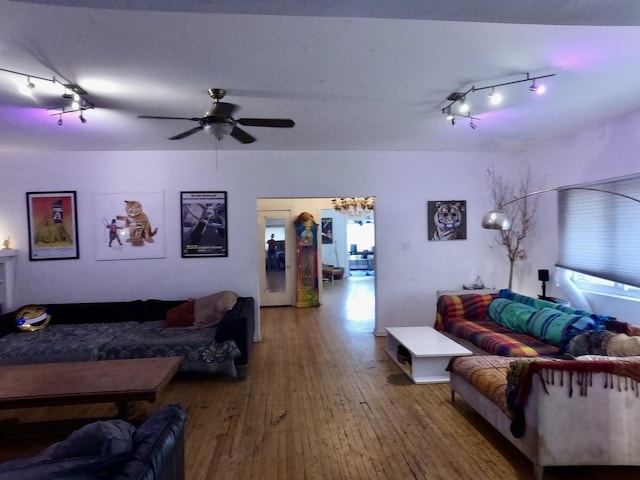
(410, 268)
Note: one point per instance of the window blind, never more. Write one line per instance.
(599, 233)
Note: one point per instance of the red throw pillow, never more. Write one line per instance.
(180, 316)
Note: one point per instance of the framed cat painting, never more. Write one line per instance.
(129, 226)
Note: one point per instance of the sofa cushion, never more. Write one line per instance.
(538, 303)
(558, 328)
(498, 340)
(510, 314)
(209, 310)
(96, 312)
(181, 316)
(549, 325)
(86, 454)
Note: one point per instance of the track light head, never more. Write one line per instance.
(30, 84)
(464, 106)
(449, 114)
(60, 120)
(453, 121)
(472, 125)
(537, 89)
(495, 98)
(82, 119)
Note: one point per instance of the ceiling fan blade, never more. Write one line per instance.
(223, 109)
(169, 118)
(187, 133)
(242, 136)
(266, 122)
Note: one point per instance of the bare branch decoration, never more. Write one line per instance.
(522, 214)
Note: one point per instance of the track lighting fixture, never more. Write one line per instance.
(495, 98)
(472, 125)
(81, 117)
(72, 92)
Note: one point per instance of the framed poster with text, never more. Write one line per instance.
(204, 224)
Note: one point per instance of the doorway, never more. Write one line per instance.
(355, 293)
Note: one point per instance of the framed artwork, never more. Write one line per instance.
(204, 224)
(129, 226)
(447, 220)
(327, 230)
(53, 225)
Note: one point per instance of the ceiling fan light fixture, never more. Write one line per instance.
(218, 130)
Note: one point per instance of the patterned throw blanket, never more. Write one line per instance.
(575, 375)
(507, 382)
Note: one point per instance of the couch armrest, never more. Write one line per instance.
(470, 306)
(238, 324)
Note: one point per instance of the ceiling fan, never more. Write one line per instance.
(219, 121)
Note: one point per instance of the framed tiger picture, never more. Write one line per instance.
(447, 220)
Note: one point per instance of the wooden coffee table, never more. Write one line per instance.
(53, 384)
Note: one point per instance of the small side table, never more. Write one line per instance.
(429, 349)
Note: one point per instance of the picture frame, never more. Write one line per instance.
(447, 220)
(129, 226)
(53, 225)
(204, 225)
(327, 230)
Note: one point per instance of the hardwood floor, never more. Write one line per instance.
(323, 401)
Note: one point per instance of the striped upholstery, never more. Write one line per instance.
(465, 316)
(498, 340)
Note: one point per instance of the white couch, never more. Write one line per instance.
(598, 424)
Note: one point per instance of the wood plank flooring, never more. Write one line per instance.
(323, 401)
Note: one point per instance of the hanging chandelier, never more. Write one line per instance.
(354, 206)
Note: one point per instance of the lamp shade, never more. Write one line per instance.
(496, 220)
(218, 130)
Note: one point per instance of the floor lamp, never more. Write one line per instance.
(499, 220)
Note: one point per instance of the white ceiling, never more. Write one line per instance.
(353, 74)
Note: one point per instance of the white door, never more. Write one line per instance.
(276, 252)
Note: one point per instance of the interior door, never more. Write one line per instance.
(276, 252)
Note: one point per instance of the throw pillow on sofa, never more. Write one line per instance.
(208, 311)
(181, 316)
